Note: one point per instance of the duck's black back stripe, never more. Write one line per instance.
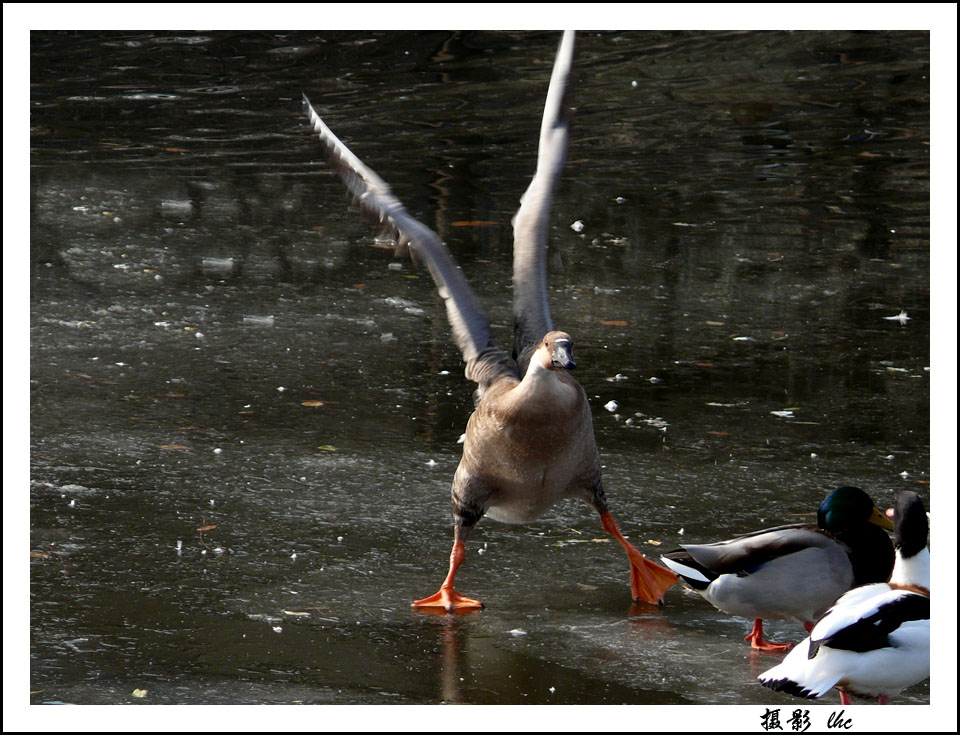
(872, 632)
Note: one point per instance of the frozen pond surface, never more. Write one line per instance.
(219, 342)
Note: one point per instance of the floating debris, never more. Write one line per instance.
(217, 265)
(783, 414)
(901, 317)
(577, 226)
(258, 321)
(619, 377)
(611, 406)
(516, 632)
(407, 306)
(176, 205)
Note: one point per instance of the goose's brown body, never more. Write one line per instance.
(529, 442)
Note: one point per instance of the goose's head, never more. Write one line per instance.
(555, 352)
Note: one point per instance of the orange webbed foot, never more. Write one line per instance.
(448, 599)
(755, 636)
(649, 581)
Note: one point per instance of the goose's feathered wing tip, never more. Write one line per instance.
(468, 319)
(531, 224)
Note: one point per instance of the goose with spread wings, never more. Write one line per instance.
(529, 442)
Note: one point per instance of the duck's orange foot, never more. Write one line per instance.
(755, 636)
(448, 599)
(649, 581)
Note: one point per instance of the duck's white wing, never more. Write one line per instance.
(468, 319)
(531, 224)
(862, 619)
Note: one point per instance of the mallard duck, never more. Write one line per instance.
(529, 442)
(875, 641)
(794, 571)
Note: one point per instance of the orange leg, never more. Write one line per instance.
(756, 640)
(844, 697)
(448, 598)
(649, 582)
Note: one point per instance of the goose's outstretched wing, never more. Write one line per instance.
(531, 224)
(469, 321)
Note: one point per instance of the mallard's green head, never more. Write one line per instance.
(848, 507)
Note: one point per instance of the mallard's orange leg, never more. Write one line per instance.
(844, 698)
(649, 582)
(756, 639)
(448, 598)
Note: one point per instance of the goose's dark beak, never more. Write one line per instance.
(563, 354)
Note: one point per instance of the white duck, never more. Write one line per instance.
(875, 641)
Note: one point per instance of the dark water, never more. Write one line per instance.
(214, 342)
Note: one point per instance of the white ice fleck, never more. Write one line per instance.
(783, 414)
(280, 389)
(611, 406)
(277, 629)
(218, 450)
(904, 474)
(259, 321)
(517, 632)
(339, 539)
(901, 317)
(431, 463)
(577, 226)
(462, 439)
